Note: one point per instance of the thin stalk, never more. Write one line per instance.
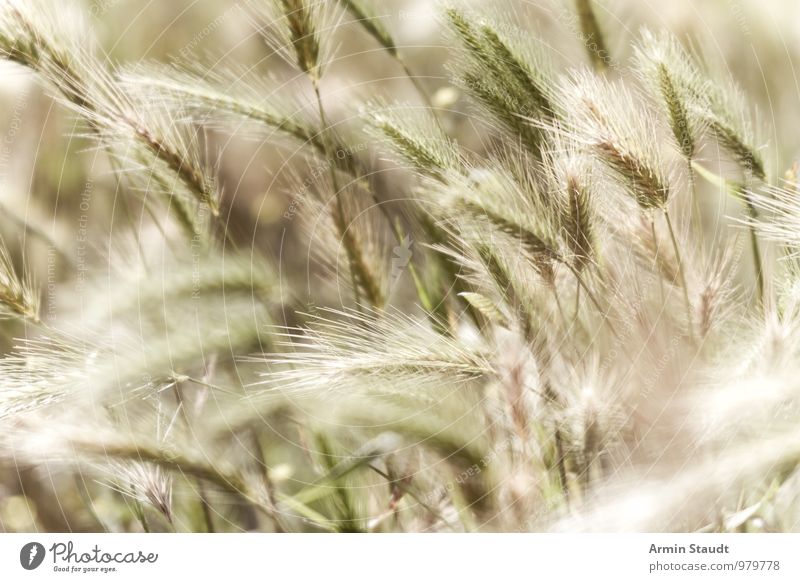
(681, 272)
(207, 517)
(561, 311)
(697, 217)
(83, 491)
(656, 258)
(759, 267)
(560, 464)
(422, 293)
(592, 298)
(408, 490)
(576, 321)
(201, 489)
(593, 39)
(139, 513)
(738, 191)
(267, 481)
(339, 219)
(415, 81)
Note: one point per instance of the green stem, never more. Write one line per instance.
(697, 216)
(738, 191)
(656, 258)
(561, 465)
(593, 40)
(414, 80)
(681, 272)
(593, 299)
(331, 159)
(759, 267)
(205, 506)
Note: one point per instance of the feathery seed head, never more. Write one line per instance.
(504, 74)
(146, 483)
(18, 295)
(694, 102)
(300, 31)
(415, 136)
(620, 132)
(672, 77)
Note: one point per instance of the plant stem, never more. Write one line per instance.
(415, 81)
(681, 272)
(339, 219)
(561, 465)
(656, 258)
(593, 40)
(83, 491)
(560, 307)
(759, 267)
(738, 190)
(697, 216)
(593, 299)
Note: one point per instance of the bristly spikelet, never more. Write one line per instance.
(723, 108)
(649, 247)
(679, 119)
(299, 30)
(30, 35)
(348, 226)
(542, 254)
(487, 307)
(161, 148)
(667, 70)
(620, 132)
(40, 373)
(18, 294)
(726, 114)
(209, 95)
(496, 199)
(60, 52)
(145, 483)
(387, 354)
(780, 223)
(570, 188)
(506, 76)
(415, 137)
(715, 298)
(714, 104)
(523, 302)
(579, 230)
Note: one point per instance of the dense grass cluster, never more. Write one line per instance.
(552, 332)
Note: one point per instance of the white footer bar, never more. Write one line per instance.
(400, 557)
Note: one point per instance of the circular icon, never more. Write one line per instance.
(31, 555)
